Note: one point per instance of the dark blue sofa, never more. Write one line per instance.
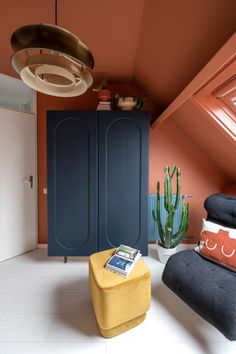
(208, 288)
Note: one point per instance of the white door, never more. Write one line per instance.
(18, 232)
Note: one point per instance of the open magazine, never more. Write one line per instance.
(123, 261)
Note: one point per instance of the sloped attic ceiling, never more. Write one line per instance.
(160, 45)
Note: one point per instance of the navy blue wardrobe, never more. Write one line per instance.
(97, 181)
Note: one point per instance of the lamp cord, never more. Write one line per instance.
(56, 12)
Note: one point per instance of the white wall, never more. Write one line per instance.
(14, 94)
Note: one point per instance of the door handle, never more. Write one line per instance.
(30, 181)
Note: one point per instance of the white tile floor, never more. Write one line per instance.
(45, 309)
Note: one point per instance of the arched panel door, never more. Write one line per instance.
(123, 179)
(72, 183)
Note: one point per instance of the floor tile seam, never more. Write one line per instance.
(60, 315)
(204, 341)
(112, 341)
(184, 316)
(51, 342)
(169, 341)
(27, 314)
(123, 341)
(50, 292)
(12, 304)
(21, 342)
(47, 313)
(29, 277)
(50, 328)
(53, 273)
(41, 266)
(100, 340)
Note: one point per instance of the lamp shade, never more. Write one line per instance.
(52, 60)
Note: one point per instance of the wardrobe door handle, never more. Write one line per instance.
(30, 181)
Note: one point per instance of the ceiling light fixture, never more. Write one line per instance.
(51, 59)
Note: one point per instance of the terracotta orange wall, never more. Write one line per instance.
(200, 176)
(88, 101)
(230, 189)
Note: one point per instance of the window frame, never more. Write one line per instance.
(216, 95)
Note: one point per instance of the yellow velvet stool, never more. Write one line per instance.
(119, 303)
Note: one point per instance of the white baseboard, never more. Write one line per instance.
(42, 245)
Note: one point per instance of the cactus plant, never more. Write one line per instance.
(168, 238)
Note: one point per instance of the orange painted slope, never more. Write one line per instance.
(201, 130)
(177, 39)
(200, 176)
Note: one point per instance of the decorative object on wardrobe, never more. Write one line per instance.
(51, 59)
(104, 96)
(128, 103)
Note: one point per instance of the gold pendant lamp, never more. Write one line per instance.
(51, 59)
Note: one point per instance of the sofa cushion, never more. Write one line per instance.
(221, 209)
(206, 287)
(213, 227)
(218, 243)
(218, 247)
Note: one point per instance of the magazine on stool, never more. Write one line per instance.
(123, 261)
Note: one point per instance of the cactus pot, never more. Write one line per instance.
(164, 253)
